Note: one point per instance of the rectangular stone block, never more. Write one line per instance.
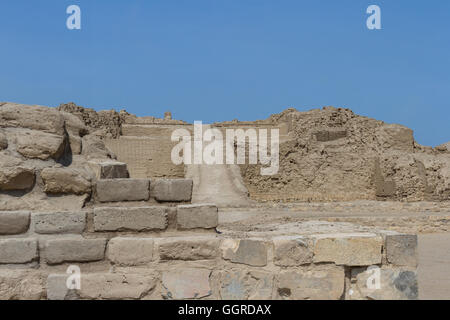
(21, 284)
(74, 250)
(15, 251)
(59, 222)
(171, 190)
(193, 216)
(354, 249)
(130, 251)
(322, 283)
(246, 251)
(401, 249)
(187, 283)
(188, 248)
(134, 219)
(115, 190)
(109, 169)
(14, 222)
(290, 251)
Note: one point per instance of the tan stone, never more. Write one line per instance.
(245, 285)
(114, 190)
(39, 145)
(130, 251)
(292, 251)
(188, 283)
(66, 180)
(21, 285)
(59, 222)
(14, 175)
(74, 250)
(189, 248)
(193, 216)
(171, 190)
(401, 249)
(246, 251)
(321, 283)
(17, 251)
(14, 222)
(136, 219)
(348, 249)
(3, 141)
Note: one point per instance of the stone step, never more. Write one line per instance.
(162, 190)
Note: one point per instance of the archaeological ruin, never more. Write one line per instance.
(93, 207)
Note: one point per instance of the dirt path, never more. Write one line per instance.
(434, 266)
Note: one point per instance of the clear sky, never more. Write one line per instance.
(216, 60)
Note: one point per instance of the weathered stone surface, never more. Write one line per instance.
(189, 248)
(74, 250)
(32, 117)
(39, 145)
(197, 216)
(21, 285)
(292, 251)
(3, 141)
(59, 222)
(135, 219)
(325, 283)
(130, 251)
(171, 190)
(109, 169)
(113, 190)
(15, 251)
(93, 147)
(383, 284)
(245, 285)
(189, 283)
(348, 249)
(14, 175)
(57, 287)
(113, 286)
(401, 249)
(14, 222)
(66, 180)
(250, 252)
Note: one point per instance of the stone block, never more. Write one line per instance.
(14, 222)
(65, 180)
(292, 251)
(171, 190)
(357, 249)
(188, 248)
(204, 216)
(401, 249)
(74, 250)
(21, 284)
(104, 169)
(134, 219)
(246, 251)
(188, 283)
(59, 222)
(245, 285)
(115, 190)
(130, 251)
(321, 283)
(16, 251)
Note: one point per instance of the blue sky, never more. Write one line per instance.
(215, 60)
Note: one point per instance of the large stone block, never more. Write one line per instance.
(39, 145)
(171, 190)
(104, 169)
(14, 222)
(3, 141)
(189, 248)
(246, 251)
(292, 251)
(23, 284)
(130, 251)
(245, 285)
(31, 117)
(204, 216)
(135, 219)
(374, 283)
(65, 180)
(322, 283)
(356, 249)
(401, 249)
(189, 283)
(59, 222)
(74, 250)
(14, 175)
(114, 190)
(16, 251)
